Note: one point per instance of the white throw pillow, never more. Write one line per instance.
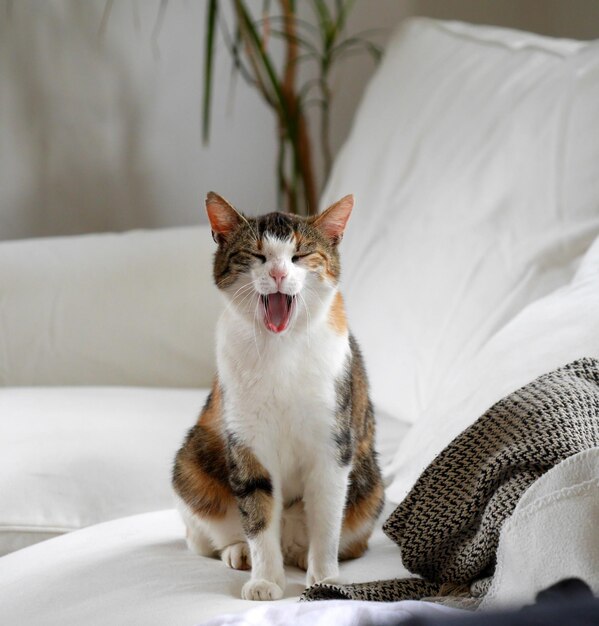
(549, 333)
(72, 457)
(474, 159)
(136, 308)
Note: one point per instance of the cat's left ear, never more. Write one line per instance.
(332, 221)
(224, 218)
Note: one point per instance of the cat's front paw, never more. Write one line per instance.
(261, 590)
(324, 574)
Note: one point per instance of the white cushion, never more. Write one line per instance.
(136, 308)
(474, 160)
(72, 457)
(551, 535)
(549, 333)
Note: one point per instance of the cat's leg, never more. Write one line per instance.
(259, 499)
(294, 535)
(206, 501)
(324, 499)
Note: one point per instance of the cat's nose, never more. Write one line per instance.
(278, 272)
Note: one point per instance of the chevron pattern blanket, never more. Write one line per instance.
(448, 526)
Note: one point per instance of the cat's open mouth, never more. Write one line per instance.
(277, 309)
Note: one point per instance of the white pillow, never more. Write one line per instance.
(547, 334)
(72, 457)
(136, 308)
(474, 158)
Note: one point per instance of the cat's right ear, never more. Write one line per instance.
(223, 217)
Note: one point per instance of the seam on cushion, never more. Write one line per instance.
(581, 489)
(447, 29)
(571, 460)
(36, 529)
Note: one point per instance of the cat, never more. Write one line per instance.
(281, 466)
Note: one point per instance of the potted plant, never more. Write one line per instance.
(320, 41)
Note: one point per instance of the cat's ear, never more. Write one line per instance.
(332, 221)
(223, 217)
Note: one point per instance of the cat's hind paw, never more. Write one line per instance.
(237, 556)
(261, 590)
(297, 556)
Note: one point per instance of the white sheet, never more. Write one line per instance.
(337, 612)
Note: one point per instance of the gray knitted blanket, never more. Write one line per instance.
(448, 526)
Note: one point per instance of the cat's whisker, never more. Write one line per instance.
(242, 291)
(248, 296)
(313, 291)
(307, 316)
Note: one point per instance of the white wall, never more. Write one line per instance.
(100, 127)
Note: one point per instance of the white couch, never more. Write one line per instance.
(474, 166)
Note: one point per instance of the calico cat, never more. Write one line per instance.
(281, 466)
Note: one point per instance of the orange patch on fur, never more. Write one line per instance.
(363, 511)
(204, 495)
(212, 416)
(337, 318)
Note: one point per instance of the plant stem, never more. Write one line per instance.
(297, 134)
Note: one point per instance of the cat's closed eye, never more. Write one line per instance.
(260, 257)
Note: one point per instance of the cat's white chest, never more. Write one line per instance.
(280, 396)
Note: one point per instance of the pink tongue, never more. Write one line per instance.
(278, 311)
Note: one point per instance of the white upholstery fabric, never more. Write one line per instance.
(474, 159)
(138, 570)
(135, 570)
(136, 308)
(547, 334)
(72, 457)
(551, 535)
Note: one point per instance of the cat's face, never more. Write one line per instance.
(278, 270)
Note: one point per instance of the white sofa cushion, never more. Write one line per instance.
(72, 457)
(551, 535)
(136, 308)
(547, 334)
(474, 159)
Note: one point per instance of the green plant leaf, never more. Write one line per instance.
(249, 32)
(211, 16)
